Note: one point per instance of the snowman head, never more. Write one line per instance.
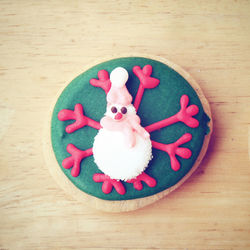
(119, 112)
(119, 100)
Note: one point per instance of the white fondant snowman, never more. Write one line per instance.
(122, 148)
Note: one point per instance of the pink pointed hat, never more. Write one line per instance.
(118, 93)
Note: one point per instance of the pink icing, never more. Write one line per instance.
(80, 119)
(118, 116)
(103, 81)
(74, 161)
(109, 183)
(129, 125)
(146, 82)
(118, 95)
(150, 181)
(174, 149)
(184, 115)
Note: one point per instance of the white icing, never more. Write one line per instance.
(114, 158)
(119, 77)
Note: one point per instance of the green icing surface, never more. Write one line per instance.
(157, 104)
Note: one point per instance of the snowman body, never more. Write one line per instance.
(116, 158)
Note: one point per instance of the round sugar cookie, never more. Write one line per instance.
(127, 132)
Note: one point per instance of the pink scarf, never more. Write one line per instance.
(129, 126)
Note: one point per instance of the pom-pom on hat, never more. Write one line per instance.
(118, 93)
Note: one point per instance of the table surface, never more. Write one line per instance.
(45, 44)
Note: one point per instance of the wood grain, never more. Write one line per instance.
(45, 44)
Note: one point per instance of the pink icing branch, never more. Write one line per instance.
(137, 182)
(138, 97)
(74, 161)
(103, 81)
(80, 119)
(174, 149)
(184, 115)
(146, 82)
(109, 183)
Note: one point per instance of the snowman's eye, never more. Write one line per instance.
(124, 110)
(113, 109)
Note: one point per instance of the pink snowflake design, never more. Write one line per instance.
(184, 115)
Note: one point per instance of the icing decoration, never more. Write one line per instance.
(151, 182)
(174, 149)
(80, 119)
(118, 93)
(129, 126)
(103, 81)
(114, 110)
(184, 115)
(118, 116)
(124, 122)
(146, 82)
(108, 184)
(74, 161)
(118, 77)
(124, 110)
(116, 159)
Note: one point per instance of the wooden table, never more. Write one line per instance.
(45, 44)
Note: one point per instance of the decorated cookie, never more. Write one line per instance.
(128, 131)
